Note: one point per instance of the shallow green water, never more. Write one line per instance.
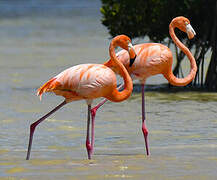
(182, 140)
(182, 126)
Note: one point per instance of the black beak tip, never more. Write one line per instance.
(132, 61)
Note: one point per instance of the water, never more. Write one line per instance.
(37, 43)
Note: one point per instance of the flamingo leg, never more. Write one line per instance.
(92, 133)
(36, 123)
(93, 110)
(90, 145)
(144, 128)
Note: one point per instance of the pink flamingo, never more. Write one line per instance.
(152, 59)
(89, 81)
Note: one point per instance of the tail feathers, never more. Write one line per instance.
(48, 86)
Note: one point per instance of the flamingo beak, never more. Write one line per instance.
(132, 53)
(190, 31)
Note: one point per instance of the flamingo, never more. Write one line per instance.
(152, 59)
(88, 82)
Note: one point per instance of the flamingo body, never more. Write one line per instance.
(85, 81)
(152, 59)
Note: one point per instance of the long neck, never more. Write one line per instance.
(181, 81)
(117, 96)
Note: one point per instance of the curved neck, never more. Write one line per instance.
(169, 75)
(182, 46)
(128, 84)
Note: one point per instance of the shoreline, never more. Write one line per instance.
(168, 88)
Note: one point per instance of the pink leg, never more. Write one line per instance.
(144, 128)
(93, 110)
(89, 146)
(93, 115)
(33, 126)
(92, 135)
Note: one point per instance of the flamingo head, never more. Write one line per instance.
(125, 42)
(184, 25)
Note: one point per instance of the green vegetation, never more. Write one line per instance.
(151, 18)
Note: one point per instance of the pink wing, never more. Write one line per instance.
(85, 81)
(152, 59)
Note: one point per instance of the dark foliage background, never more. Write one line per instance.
(151, 18)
